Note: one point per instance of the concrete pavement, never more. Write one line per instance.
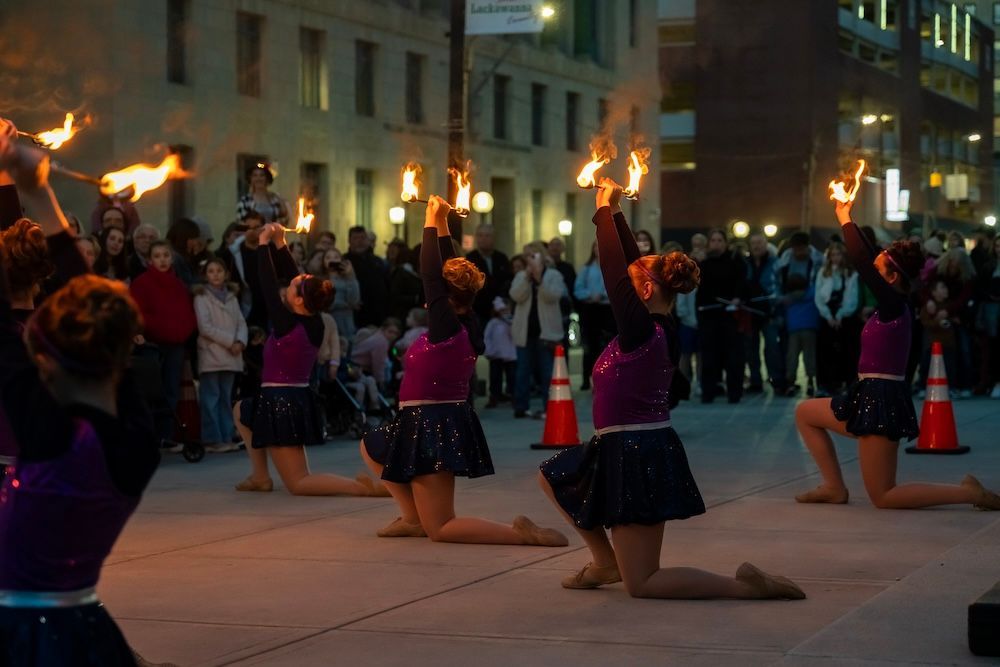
(204, 575)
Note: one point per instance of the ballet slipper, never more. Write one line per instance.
(823, 494)
(985, 499)
(537, 536)
(250, 484)
(768, 586)
(373, 489)
(142, 662)
(400, 528)
(592, 576)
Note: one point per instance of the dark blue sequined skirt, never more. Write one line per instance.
(625, 477)
(83, 636)
(283, 417)
(425, 439)
(874, 406)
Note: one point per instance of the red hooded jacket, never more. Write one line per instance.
(166, 306)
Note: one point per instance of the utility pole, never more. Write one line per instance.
(456, 104)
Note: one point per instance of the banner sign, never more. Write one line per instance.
(498, 17)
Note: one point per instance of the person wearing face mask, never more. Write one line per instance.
(723, 288)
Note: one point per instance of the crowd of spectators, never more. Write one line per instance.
(784, 319)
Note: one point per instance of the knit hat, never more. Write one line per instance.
(499, 303)
(933, 246)
(204, 229)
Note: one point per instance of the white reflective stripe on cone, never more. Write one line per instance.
(937, 368)
(559, 371)
(937, 393)
(559, 392)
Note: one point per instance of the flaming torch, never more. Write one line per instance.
(54, 139)
(409, 193)
(305, 220)
(463, 191)
(140, 178)
(636, 169)
(838, 189)
(587, 179)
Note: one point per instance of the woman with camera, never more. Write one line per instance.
(330, 265)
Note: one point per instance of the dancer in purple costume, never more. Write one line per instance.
(436, 435)
(633, 475)
(878, 408)
(285, 415)
(82, 444)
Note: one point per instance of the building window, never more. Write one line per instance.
(312, 178)
(364, 78)
(414, 88)
(633, 23)
(890, 14)
(970, 8)
(571, 207)
(585, 30)
(177, 18)
(633, 120)
(244, 163)
(537, 199)
(866, 10)
(312, 69)
(602, 111)
(500, 84)
(248, 53)
(572, 120)
(363, 189)
(537, 114)
(996, 13)
(180, 192)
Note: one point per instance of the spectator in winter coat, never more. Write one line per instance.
(168, 321)
(138, 259)
(495, 266)
(763, 290)
(222, 337)
(597, 323)
(537, 325)
(371, 352)
(837, 296)
(501, 352)
(372, 276)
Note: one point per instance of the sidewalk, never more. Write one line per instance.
(207, 576)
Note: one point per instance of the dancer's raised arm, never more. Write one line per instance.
(443, 322)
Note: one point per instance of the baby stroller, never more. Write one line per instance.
(148, 379)
(344, 414)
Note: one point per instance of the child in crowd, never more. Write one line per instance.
(501, 352)
(371, 349)
(416, 325)
(169, 320)
(222, 337)
(939, 327)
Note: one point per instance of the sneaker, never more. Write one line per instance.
(171, 447)
(221, 447)
(996, 391)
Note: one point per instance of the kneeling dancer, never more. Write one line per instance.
(286, 415)
(634, 475)
(436, 435)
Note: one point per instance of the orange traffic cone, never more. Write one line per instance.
(560, 415)
(937, 423)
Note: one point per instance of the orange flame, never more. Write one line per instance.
(410, 192)
(54, 139)
(141, 178)
(636, 169)
(838, 189)
(463, 189)
(587, 179)
(305, 220)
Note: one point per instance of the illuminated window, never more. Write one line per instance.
(312, 69)
(363, 188)
(996, 13)
(889, 15)
(676, 34)
(866, 10)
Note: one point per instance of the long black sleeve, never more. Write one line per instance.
(282, 320)
(891, 304)
(284, 264)
(10, 206)
(443, 322)
(446, 247)
(635, 325)
(627, 238)
(67, 258)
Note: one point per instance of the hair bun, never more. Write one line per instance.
(26, 254)
(317, 294)
(680, 274)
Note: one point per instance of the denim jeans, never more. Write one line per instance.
(215, 398)
(773, 359)
(534, 362)
(501, 371)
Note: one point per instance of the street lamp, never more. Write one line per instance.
(990, 220)
(869, 119)
(974, 137)
(397, 216)
(482, 203)
(548, 11)
(770, 231)
(565, 227)
(741, 229)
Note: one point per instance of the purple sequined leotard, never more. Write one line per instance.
(632, 387)
(289, 359)
(438, 371)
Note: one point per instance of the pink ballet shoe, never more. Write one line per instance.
(768, 586)
(536, 535)
(592, 576)
(822, 494)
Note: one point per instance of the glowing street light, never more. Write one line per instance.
(869, 119)
(974, 137)
(565, 227)
(741, 230)
(482, 202)
(397, 215)
(770, 231)
(548, 11)
(990, 220)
